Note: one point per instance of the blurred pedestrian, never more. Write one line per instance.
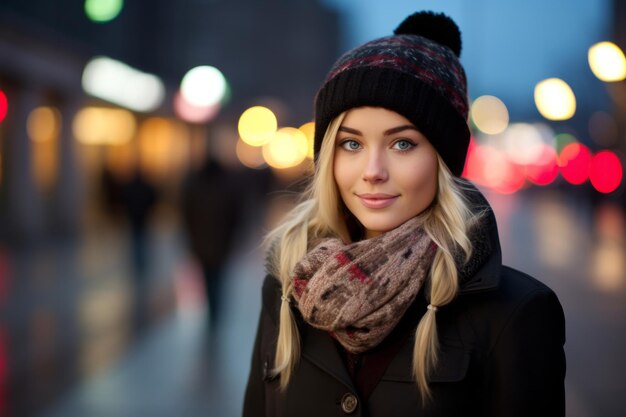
(111, 193)
(385, 293)
(139, 199)
(211, 207)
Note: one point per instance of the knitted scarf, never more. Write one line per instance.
(360, 291)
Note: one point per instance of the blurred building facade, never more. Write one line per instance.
(68, 298)
(275, 51)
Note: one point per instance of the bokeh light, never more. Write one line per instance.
(472, 162)
(608, 262)
(43, 124)
(561, 140)
(249, 156)
(257, 125)
(288, 148)
(120, 159)
(163, 146)
(505, 176)
(574, 163)
(103, 10)
(605, 173)
(489, 167)
(522, 143)
(121, 84)
(194, 114)
(490, 115)
(309, 131)
(104, 126)
(4, 106)
(607, 61)
(203, 86)
(544, 169)
(555, 99)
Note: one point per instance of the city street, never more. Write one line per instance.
(176, 365)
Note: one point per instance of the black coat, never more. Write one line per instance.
(501, 354)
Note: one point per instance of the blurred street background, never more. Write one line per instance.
(146, 147)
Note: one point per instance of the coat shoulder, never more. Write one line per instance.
(519, 301)
(514, 289)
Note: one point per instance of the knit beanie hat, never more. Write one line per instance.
(416, 73)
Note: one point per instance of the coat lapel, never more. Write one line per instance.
(319, 348)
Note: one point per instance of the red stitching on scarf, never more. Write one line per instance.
(299, 285)
(354, 269)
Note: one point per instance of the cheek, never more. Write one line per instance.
(423, 184)
(343, 173)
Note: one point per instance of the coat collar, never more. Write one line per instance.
(483, 271)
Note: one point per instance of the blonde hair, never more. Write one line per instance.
(321, 215)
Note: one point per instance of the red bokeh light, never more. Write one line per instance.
(544, 170)
(575, 161)
(606, 172)
(471, 162)
(489, 167)
(4, 106)
(511, 177)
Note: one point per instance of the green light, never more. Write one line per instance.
(103, 10)
(563, 139)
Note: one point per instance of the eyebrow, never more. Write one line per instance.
(388, 132)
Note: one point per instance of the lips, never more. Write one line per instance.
(377, 201)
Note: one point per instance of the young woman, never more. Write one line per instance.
(385, 294)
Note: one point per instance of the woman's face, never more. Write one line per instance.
(385, 169)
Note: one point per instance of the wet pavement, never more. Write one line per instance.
(75, 340)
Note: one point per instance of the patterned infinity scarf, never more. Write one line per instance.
(359, 292)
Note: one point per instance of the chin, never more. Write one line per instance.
(378, 227)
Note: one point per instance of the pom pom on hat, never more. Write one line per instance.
(434, 26)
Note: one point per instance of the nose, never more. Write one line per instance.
(376, 168)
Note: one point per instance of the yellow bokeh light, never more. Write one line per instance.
(555, 99)
(288, 148)
(43, 124)
(257, 125)
(490, 115)
(249, 156)
(309, 131)
(43, 127)
(100, 126)
(163, 147)
(607, 61)
(121, 160)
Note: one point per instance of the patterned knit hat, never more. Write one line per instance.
(416, 73)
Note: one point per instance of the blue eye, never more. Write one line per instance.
(350, 145)
(403, 145)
